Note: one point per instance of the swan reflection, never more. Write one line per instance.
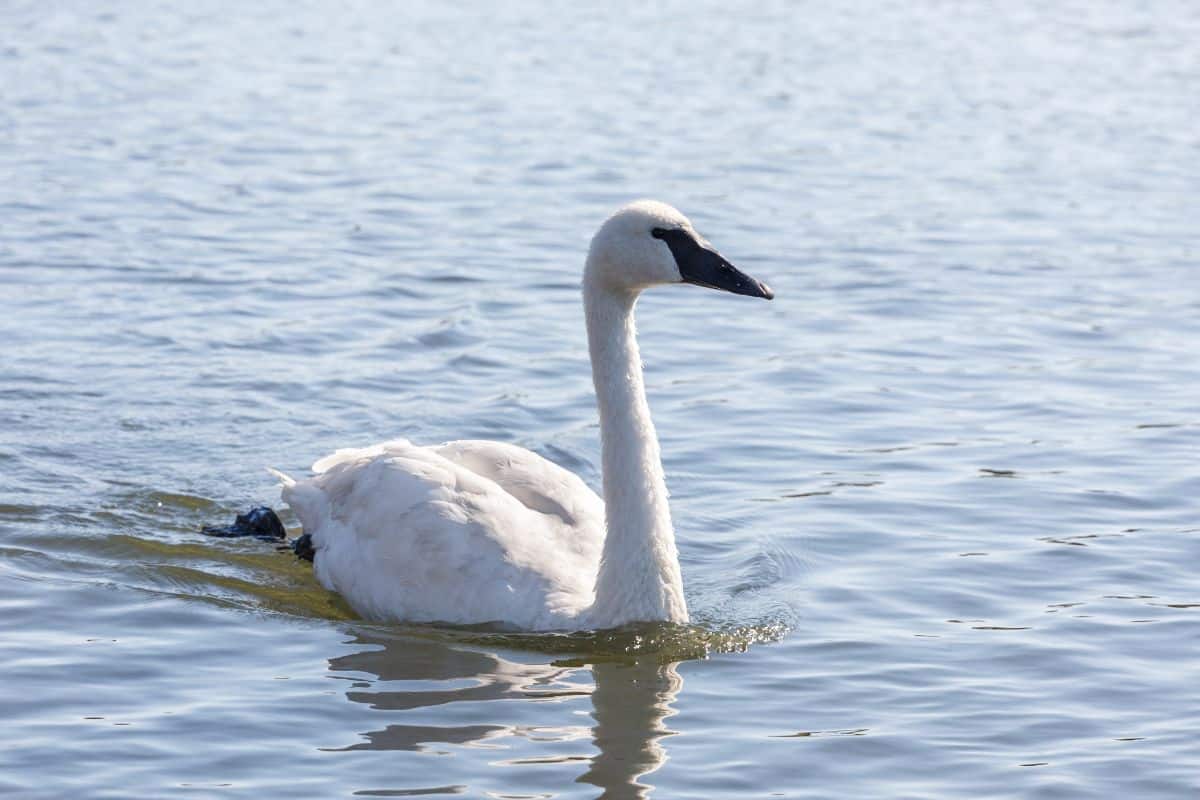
(630, 703)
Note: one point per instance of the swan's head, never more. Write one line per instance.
(648, 243)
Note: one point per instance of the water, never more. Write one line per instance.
(938, 504)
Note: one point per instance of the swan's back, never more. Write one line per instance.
(466, 532)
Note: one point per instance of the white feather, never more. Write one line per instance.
(284, 479)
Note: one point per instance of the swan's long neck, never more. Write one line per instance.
(639, 578)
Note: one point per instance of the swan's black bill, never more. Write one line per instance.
(704, 266)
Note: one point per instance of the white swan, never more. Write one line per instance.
(475, 531)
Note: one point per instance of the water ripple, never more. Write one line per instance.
(936, 504)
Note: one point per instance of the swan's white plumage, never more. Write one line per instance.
(474, 532)
(464, 532)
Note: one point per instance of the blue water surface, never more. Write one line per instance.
(938, 504)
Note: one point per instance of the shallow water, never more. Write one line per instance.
(938, 504)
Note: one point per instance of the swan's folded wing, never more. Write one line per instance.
(540, 485)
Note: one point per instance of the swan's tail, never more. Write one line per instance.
(285, 480)
(294, 493)
(301, 500)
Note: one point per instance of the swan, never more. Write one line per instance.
(473, 532)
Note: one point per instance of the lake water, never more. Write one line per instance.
(938, 504)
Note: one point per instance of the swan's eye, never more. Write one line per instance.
(661, 233)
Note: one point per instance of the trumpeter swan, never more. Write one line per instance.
(477, 531)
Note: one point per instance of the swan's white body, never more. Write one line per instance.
(462, 532)
(475, 532)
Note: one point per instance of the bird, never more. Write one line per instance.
(477, 532)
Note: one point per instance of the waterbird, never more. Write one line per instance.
(483, 532)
